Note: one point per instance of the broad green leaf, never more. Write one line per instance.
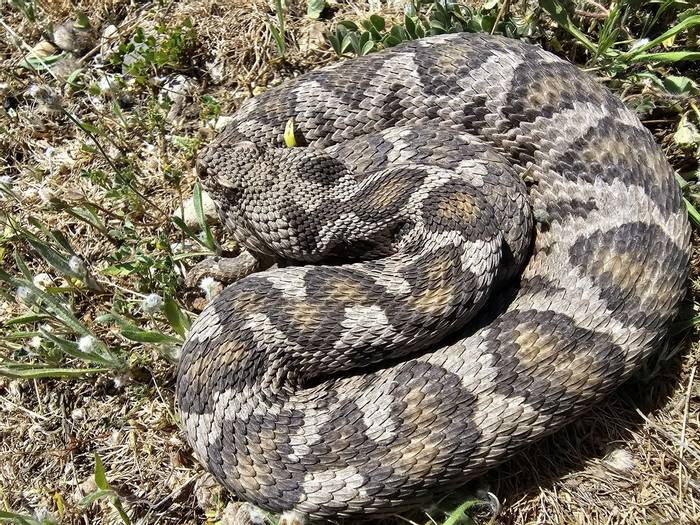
(378, 22)
(314, 8)
(56, 260)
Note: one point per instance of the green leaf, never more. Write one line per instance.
(692, 212)
(56, 260)
(120, 270)
(349, 24)
(37, 63)
(367, 48)
(669, 57)
(73, 349)
(23, 267)
(39, 372)
(678, 85)
(133, 333)
(97, 495)
(100, 476)
(22, 519)
(457, 516)
(314, 8)
(188, 231)
(25, 319)
(201, 217)
(176, 317)
(378, 22)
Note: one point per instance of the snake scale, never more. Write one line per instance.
(478, 242)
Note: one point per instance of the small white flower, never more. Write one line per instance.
(42, 281)
(119, 381)
(152, 303)
(30, 193)
(256, 516)
(620, 459)
(77, 265)
(46, 195)
(35, 342)
(25, 295)
(639, 43)
(175, 352)
(211, 287)
(87, 343)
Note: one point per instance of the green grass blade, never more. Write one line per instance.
(49, 373)
(201, 217)
(692, 212)
(687, 23)
(668, 57)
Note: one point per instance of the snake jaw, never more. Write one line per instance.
(292, 517)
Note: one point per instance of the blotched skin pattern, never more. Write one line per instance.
(480, 243)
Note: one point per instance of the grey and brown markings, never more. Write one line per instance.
(350, 382)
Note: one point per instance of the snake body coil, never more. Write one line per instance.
(481, 243)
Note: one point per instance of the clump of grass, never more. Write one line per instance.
(425, 18)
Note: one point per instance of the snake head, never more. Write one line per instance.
(223, 170)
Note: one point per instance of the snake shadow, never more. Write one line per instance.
(545, 464)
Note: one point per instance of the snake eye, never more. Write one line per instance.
(245, 148)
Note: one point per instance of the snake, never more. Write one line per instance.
(475, 242)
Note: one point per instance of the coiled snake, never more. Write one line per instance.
(479, 242)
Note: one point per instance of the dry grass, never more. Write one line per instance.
(634, 459)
